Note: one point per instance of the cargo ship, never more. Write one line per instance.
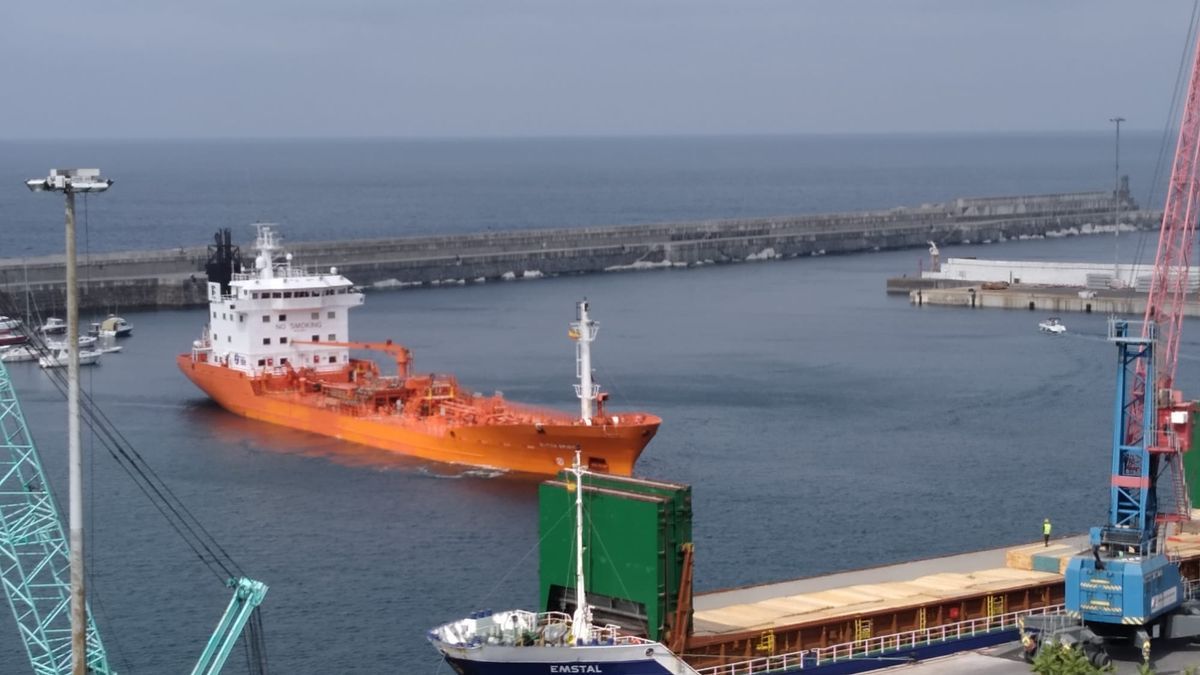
(277, 349)
(527, 643)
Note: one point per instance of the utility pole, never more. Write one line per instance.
(70, 181)
(1117, 202)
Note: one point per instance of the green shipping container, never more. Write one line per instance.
(680, 518)
(632, 539)
(1191, 462)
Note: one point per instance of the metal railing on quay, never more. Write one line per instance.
(878, 647)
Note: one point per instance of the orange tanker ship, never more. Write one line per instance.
(277, 349)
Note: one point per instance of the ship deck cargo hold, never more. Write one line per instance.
(638, 555)
(840, 617)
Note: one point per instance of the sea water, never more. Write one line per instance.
(822, 424)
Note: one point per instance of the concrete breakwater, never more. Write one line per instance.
(174, 278)
(1047, 300)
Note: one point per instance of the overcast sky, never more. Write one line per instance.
(430, 68)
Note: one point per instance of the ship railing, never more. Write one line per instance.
(1191, 588)
(278, 272)
(542, 619)
(611, 634)
(879, 647)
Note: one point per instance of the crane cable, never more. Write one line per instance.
(1168, 124)
(185, 523)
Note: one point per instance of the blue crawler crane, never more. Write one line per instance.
(1128, 587)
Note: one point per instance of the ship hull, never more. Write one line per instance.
(540, 449)
(486, 659)
(642, 667)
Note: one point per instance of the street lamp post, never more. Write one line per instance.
(1117, 202)
(69, 182)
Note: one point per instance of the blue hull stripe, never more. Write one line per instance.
(626, 668)
(847, 667)
(896, 658)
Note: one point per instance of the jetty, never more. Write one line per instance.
(176, 277)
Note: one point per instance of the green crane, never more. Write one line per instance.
(41, 568)
(34, 560)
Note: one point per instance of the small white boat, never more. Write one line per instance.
(9, 324)
(58, 358)
(19, 353)
(115, 326)
(1052, 326)
(53, 326)
(85, 341)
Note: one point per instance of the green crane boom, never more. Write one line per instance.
(34, 557)
(247, 595)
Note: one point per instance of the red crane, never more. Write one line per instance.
(1165, 309)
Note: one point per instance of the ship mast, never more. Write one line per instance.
(583, 332)
(581, 621)
(264, 261)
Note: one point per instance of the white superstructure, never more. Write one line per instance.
(273, 314)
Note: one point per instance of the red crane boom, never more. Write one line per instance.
(1168, 289)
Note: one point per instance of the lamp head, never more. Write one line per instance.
(70, 180)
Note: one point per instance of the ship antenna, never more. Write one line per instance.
(265, 243)
(581, 622)
(584, 332)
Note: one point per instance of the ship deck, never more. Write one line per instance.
(921, 595)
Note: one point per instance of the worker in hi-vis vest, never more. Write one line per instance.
(1046, 532)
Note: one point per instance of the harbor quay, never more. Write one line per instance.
(176, 277)
(1051, 300)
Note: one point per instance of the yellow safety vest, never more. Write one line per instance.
(1046, 528)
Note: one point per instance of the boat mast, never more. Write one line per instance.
(581, 621)
(584, 332)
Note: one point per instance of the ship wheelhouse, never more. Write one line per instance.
(275, 318)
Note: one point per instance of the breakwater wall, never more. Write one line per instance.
(175, 278)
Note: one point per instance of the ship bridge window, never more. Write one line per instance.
(330, 315)
(333, 359)
(333, 337)
(266, 341)
(277, 294)
(254, 295)
(283, 317)
(241, 318)
(283, 340)
(262, 362)
(316, 338)
(266, 318)
(214, 313)
(287, 294)
(315, 316)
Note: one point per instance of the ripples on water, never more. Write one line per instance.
(823, 425)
